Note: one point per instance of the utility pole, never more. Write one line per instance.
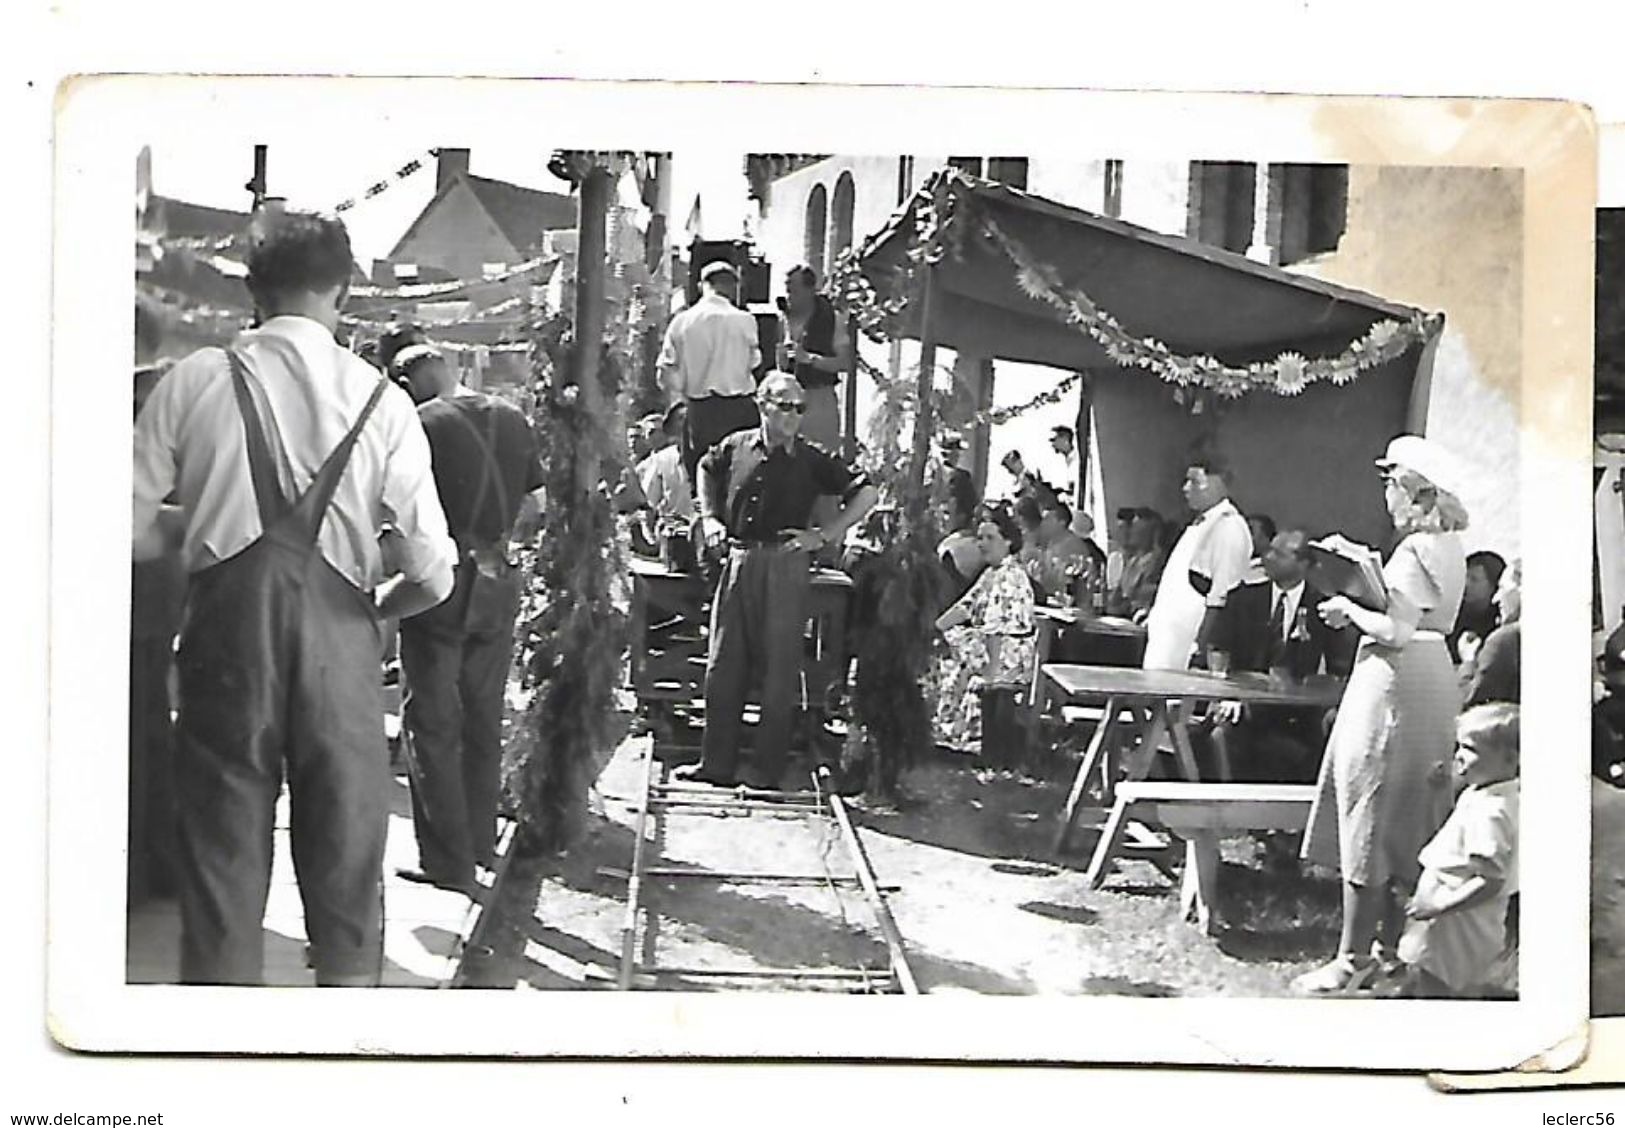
(256, 186)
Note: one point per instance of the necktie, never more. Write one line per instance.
(1274, 631)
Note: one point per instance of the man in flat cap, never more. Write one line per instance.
(456, 657)
(706, 362)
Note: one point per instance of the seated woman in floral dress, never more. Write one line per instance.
(990, 634)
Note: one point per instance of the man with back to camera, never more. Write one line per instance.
(707, 361)
(757, 490)
(288, 456)
(456, 656)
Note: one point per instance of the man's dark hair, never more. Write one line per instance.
(1211, 465)
(1067, 431)
(1028, 511)
(300, 251)
(804, 272)
(395, 337)
(1267, 521)
(1493, 564)
(1061, 509)
(1300, 543)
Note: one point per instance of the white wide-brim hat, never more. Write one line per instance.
(1428, 459)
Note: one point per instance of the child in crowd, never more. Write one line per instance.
(1456, 938)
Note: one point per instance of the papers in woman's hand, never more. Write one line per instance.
(1339, 566)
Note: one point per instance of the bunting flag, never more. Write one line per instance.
(442, 289)
(378, 188)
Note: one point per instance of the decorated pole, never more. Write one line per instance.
(575, 631)
(849, 425)
(922, 400)
(589, 308)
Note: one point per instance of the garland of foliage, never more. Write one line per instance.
(573, 631)
(1287, 375)
(941, 216)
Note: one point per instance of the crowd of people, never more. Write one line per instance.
(1415, 770)
(321, 508)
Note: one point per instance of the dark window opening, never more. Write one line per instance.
(1308, 209)
(1220, 211)
(1008, 170)
(1111, 204)
(817, 226)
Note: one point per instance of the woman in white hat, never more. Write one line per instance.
(1385, 781)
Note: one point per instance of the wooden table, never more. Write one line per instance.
(1051, 620)
(1156, 705)
(671, 615)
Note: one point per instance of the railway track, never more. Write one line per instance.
(819, 809)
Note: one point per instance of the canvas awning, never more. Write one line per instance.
(1292, 455)
(1195, 298)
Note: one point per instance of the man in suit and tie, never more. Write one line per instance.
(1272, 626)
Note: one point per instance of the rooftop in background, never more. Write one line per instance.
(521, 215)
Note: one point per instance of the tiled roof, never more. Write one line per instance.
(182, 220)
(523, 214)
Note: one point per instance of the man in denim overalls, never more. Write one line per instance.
(288, 460)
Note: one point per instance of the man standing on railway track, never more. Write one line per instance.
(756, 491)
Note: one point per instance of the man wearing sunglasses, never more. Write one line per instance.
(757, 489)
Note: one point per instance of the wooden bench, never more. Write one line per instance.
(1200, 813)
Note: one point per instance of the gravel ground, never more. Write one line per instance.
(983, 903)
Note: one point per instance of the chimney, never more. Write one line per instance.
(450, 164)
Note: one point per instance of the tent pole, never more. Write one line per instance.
(1416, 415)
(849, 424)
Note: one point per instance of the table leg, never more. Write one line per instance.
(1178, 721)
(1199, 884)
(1037, 695)
(1110, 837)
(1151, 737)
(1080, 782)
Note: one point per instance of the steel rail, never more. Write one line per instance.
(871, 889)
(629, 929)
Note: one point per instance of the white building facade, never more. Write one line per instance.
(1440, 239)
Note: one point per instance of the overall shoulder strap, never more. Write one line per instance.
(320, 494)
(492, 475)
(273, 503)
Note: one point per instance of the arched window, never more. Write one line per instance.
(840, 228)
(817, 223)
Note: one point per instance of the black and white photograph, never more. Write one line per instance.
(758, 565)
(1608, 723)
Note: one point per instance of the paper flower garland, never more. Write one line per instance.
(941, 218)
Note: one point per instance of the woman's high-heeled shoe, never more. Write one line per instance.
(1345, 975)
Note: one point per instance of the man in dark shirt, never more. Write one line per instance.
(456, 657)
(757, 490)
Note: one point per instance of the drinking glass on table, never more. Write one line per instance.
(1218, 662)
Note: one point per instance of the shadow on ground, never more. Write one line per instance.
(771, 931)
